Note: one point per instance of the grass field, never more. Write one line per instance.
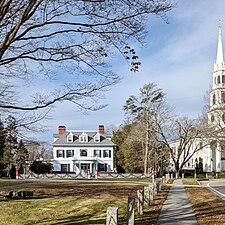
(72, 202)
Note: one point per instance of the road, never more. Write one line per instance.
(217, 186)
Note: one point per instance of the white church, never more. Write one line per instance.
(212, 155)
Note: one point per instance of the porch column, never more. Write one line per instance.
(79, 167)
(96, 166)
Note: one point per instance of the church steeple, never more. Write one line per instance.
(219, 58)
(216, 114)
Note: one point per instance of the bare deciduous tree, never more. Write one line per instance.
(38, 150)
(184, 137)
(55, 38)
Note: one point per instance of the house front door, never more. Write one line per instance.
(85, 167)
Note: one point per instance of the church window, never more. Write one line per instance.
(212, 118)
(223, 117)
(222, 144)
(218, 79)
(223, 79)
(214, 99)
(223, 97)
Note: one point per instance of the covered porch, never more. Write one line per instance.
(89, 166)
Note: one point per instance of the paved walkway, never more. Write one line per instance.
(177, 209)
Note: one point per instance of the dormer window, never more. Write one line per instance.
(97, 138)
(70, 137)
(83, 137)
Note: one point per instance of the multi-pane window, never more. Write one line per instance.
(107, 153)
(70, 137)
(83, 152)
(102, 167)
(83, 137)
(69, 153)
(97, 153)
(65, 167)
(60, 153)
(97, 138)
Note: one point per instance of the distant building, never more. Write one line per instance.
(82, 151)
(212, 155)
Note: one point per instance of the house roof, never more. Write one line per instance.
(62, 139)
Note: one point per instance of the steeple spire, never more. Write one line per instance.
(219, 57)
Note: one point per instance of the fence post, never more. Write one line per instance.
(146, 196)
(151, 192)
(130, 210)
(154, 189)
(163, 181)
(167, 177)
(160, 184)
(112, 216)
(157, 186)
(140, 198)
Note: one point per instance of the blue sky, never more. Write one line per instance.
(178, 57)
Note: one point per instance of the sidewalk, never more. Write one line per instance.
(177, 209)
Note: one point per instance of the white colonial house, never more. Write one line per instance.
(212, 155)
(82, 151)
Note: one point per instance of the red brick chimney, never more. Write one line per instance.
(62, 129)
(101, 129)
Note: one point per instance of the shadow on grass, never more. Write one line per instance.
(82, 220)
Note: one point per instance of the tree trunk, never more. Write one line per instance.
(146, 144)
(177, 167)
